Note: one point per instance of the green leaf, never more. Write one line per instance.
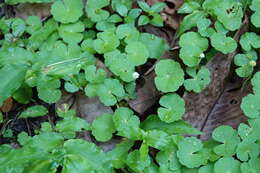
(247, 149)
(72, 32)
(157, 139)
(13, 2)
(18, 27)
(49, 91)
(120, 65)
(204, 27)
(227, 165)
(34, 111)
(67, 11)
(206, 169)
(126, 123)
(173, 108)
(246, 62)
(222, 43)
(229, 139)
(103, 127)
(178, 127)
(12, 77)
(135, 162)
(121, 6)
(137, 53)
(169, 76)
(156, 46)
(127, 32)
(106, 42)
(168, 161)
(250, 40)
(252, 166)
(188, 152)
(188, 7)
(34, 23)
(119, 153)
(143, 20)
(70, 87)
(94, 75)
(1, 117)
(251, 105)
(191, 51)
(190, 21)
(109, 91)
(255, 17)
(23, 95)
(199, 82)
(94, 10)
(256, 83)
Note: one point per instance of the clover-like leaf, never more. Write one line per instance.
(222, 43)
(247, 149)
(251, 105)
(127, 32)
(121, 6)
(191, 51)
(206, 169)
(227, 165)
(120, 65)
(199, 82)
(109, 91)
(103, 127)
(94, 10)
(256, 83)
(169, 76)
(155, 45)
(137, 53)
(67, 11)
(204, 27)
(94, 75)
(252, 166)
(126, 123)
(168, 161)
(250, 40)
(188, 7)
(188, 152)
(136, 162)
(72, 32)
(34, 111)
(255, 17)
(173, 108)
(106, 42)
(229, 139)
(246, 62)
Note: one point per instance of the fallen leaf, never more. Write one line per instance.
(7, 105)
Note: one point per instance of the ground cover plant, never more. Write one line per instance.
(98, 47)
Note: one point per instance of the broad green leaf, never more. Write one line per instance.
(222, 43)
(155, 45)
(1, 117)
(188, 7)
(227, 165)
(49, 91)
(103, 127)
(94, 75)
(137, 53)
(121, 6)
(72, 32)
(70, 87)
(135, 162)
(157, 139)
(251, 105)
(34, 24)
(190, 21)
(23, 95)
(143, 20)
(189, 152)
(191, 51)
(178, 127)
(169, 76)
(204, 27)
(256, 83)
(13, 2)
(250, 40)
(247, 149)
(255, 17)
(127, 32)
(34, 111)
(229, 139)
(252, 166)
(173, 107)
(109, 91)
(18, 27)
(199, 82)
(207, 169)
(12, 77)
(126, 123)
(119, 153)
(94, 10)
(106, 42)
(246, 62)
(67, 11)
(168, 161)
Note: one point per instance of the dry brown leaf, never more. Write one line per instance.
(27, 9)
(7, 105)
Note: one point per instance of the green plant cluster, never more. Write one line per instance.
(65, 52)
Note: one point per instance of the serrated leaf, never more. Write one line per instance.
(169, 76)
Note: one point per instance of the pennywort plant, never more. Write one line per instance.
(96, 47)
